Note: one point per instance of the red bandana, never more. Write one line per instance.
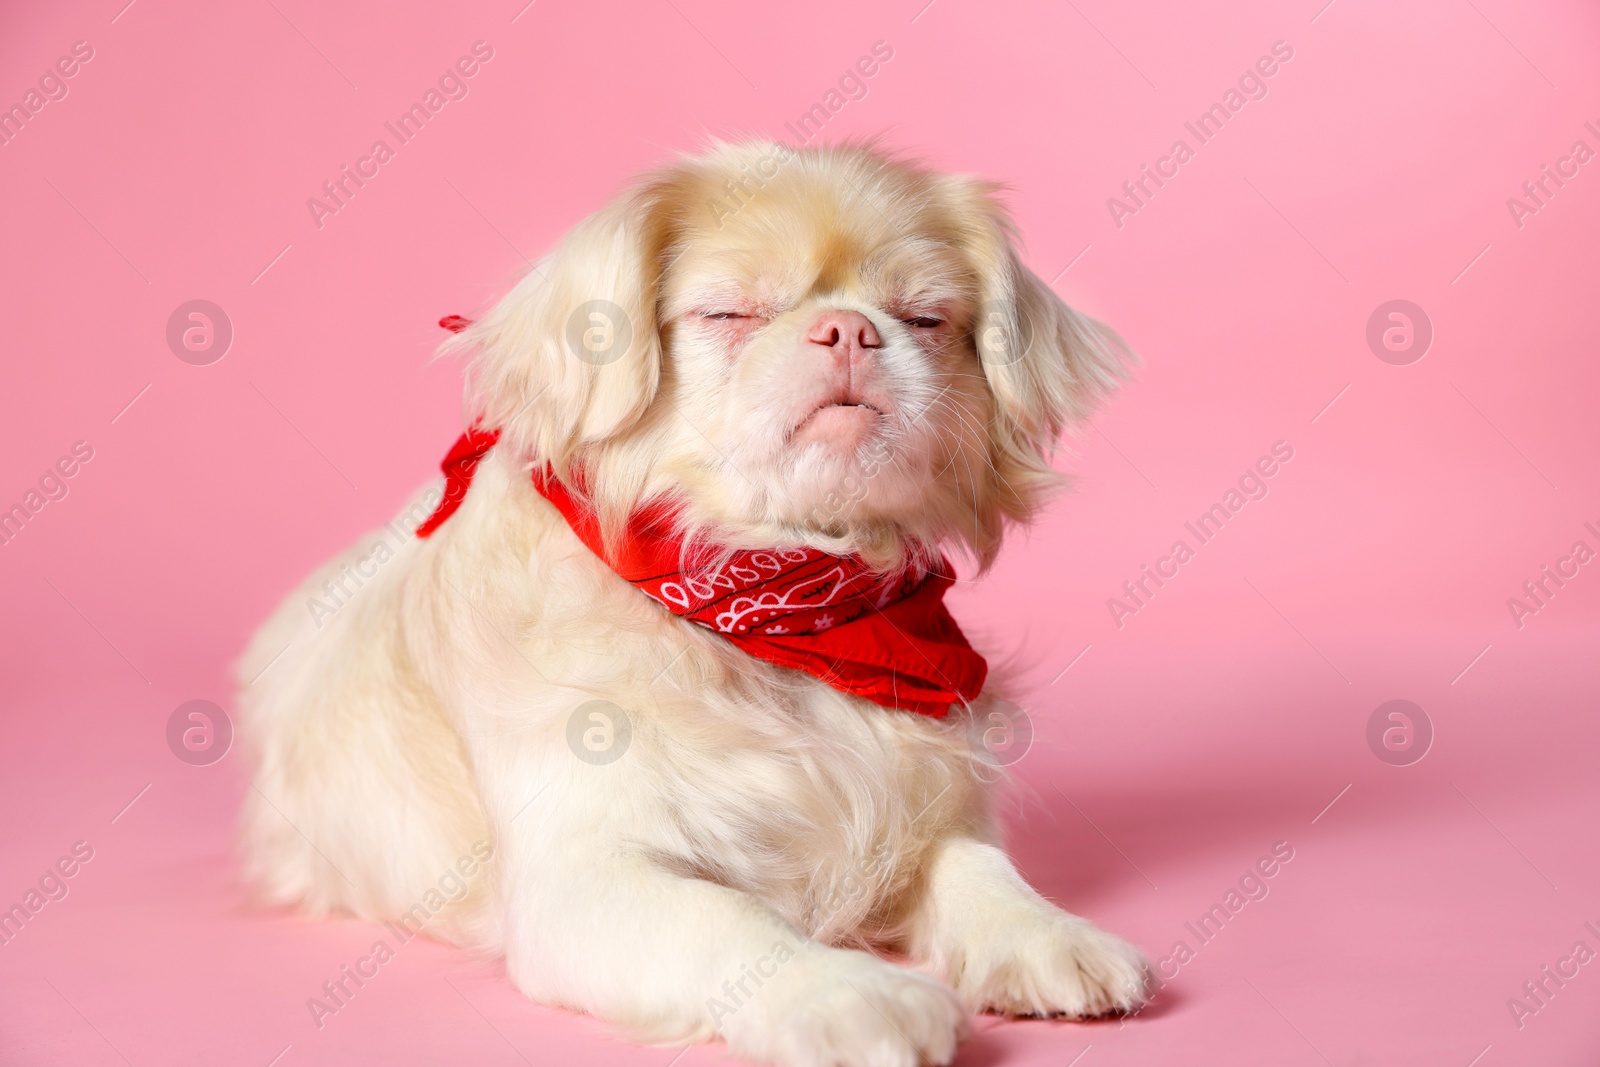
(888, 639)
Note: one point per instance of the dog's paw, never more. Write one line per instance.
(1059, 965)
(844, 1008)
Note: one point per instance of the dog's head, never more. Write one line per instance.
(826, 347)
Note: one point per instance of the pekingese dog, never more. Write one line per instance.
(661, 702)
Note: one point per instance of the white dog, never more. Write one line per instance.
(673, 645)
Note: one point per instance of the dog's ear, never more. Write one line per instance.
(1047, 365)
(572, 355)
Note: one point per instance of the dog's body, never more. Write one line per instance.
(757, 828)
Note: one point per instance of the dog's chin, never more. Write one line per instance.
(839, 482)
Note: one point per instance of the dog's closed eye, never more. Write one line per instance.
(738, 329)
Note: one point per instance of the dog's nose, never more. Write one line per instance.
(848, 333)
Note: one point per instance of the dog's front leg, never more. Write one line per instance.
(1005, 948)
(594, 925)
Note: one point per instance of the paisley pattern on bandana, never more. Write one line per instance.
(887, 638)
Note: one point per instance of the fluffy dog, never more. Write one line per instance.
(825, 354)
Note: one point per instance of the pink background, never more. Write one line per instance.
(1223, 717)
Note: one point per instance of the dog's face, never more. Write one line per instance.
(821, 347)
(825, 347)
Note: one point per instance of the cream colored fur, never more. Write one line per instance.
(736, 872)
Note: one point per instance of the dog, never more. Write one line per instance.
(662, 705)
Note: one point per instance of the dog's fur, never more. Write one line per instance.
(727, 875)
